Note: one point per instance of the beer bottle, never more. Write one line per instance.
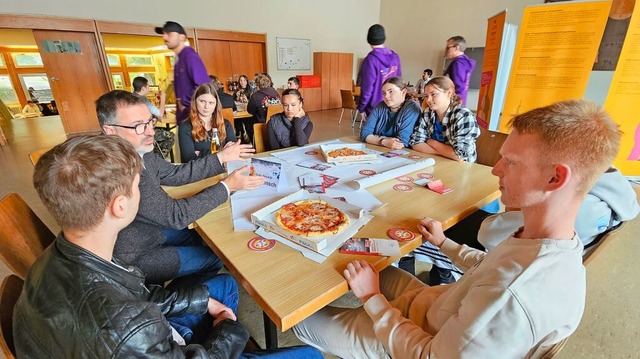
(215, 141)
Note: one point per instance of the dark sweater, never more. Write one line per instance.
(285, 133)
(188, 146)
(259, 102)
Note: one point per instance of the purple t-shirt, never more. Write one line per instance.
(188, 73)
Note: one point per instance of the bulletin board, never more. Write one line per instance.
(293, 54)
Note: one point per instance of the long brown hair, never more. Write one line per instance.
(444, 84)
(397, 82)
(198, 132)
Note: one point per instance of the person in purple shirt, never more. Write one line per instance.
(189, 70)
(461, 66)
(380, 64)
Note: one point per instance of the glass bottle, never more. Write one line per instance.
(215, 141)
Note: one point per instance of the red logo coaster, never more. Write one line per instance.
(311, 153)
(426, 175)
(260, 244)
(415, 157)
(367, 172)
(403, 188)
(405, 178)
(401, 234)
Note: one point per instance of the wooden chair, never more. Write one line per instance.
(35, 156)
(260, 137)
(10, 291)
(350, 104)
(555, 349)
(23, 236)
(488, 147)
(272, 110)
(227, 114)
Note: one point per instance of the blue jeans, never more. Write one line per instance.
(198, 263)
(301, 351)
(195, 328)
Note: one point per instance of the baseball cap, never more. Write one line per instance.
(170, 26)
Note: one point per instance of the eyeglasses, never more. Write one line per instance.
(141, 127)
(448, 47)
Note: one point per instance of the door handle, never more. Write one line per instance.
(53, 78)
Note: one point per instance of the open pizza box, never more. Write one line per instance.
(357, 218)
(370, 155)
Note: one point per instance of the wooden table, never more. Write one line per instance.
(241, 114)
(289, 287)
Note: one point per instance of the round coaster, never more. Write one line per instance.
(401, 234)
(260, 244)
(415, 157)
(311, 153)
(403, 188)
(405, 178)
(367, 172)
(426, 175)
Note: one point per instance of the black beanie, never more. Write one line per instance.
(376, 36)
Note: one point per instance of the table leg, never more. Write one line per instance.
(270, 332)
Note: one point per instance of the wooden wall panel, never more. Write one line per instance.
(312, 97)
(216, 56)
(247, 58)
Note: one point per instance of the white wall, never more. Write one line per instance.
(418, 29)
(332, 25)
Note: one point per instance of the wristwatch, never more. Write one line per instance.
(380, 141)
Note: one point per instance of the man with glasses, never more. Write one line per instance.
(461, 66)
(158, 240)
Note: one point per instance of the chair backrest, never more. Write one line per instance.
(23, 236)
(227, 114)
(35, 156)
(9, 293)
(272, 110)
(347, 99)
(555, 349)
(260, 137)
(488, 147)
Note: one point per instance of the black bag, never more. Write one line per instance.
(163, 142)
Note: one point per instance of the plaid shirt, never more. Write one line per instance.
(459, 127)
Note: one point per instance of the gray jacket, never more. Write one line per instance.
(141, 243)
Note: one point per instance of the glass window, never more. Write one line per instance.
(118, 81)
(114, 60)
(139, 60)
(2, 63)
(7, 93)
(27, 59)
(148, 75)
(36, 87)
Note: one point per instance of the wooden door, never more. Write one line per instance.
(216, 57)
(248, 58)
(77, 79)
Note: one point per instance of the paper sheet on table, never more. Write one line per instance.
(391, 173)
(361, 198)
(318, 257)
(300, 154)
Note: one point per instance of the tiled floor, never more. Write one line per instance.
(610, 326)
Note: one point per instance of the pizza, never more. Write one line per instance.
(346, 151)
(311, 218)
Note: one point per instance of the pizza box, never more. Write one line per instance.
(357, 218)
(356, 146)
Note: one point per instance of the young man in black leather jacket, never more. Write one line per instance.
(80, 302)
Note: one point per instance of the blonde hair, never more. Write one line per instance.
(198, 132)
(578, 133)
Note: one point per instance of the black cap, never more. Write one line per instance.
(376, 36)
(171, 26)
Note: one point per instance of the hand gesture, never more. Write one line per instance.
(234, 151)
(219, 311)
(238, 180)
(431, 231)
(363, 279)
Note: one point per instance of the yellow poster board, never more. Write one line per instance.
(493, 44)
(623, 99)
(555, 52)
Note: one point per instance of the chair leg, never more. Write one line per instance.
(360, 119)
(341, 112)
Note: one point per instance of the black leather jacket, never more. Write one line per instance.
(76, 305)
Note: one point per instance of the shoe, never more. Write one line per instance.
(439, 276)
(408, 264)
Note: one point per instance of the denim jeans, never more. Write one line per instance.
(198, 263)
(194, 328)
(301, 351)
